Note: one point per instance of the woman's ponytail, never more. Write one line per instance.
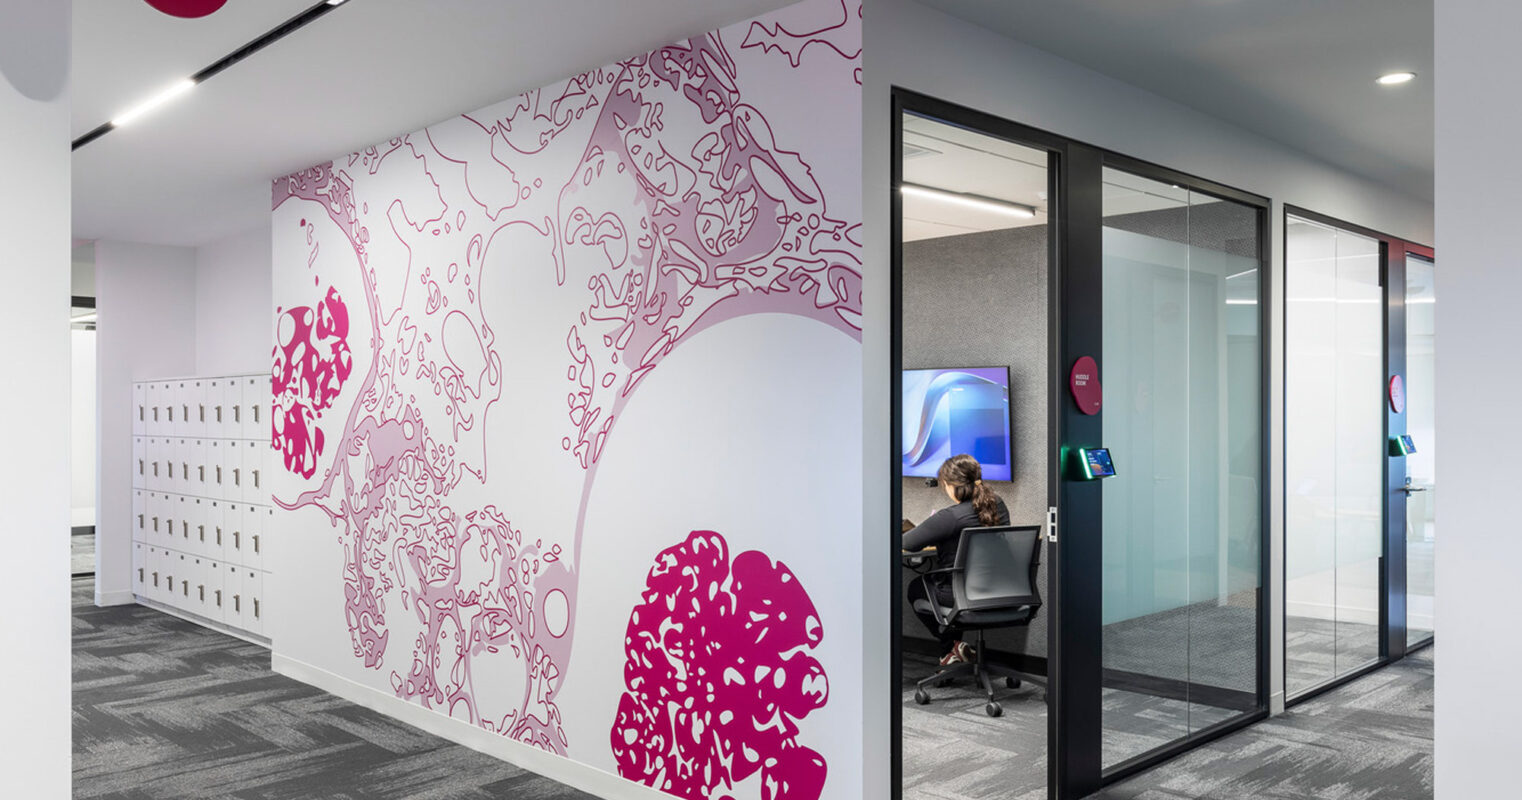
(964, 475)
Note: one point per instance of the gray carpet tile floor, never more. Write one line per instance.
(165, 709)
(1368, 740)
(82, 554)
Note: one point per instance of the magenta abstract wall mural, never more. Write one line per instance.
(465, 318)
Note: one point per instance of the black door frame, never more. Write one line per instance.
(1074, 583)
(1394, 642)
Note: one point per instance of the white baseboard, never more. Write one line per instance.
(209, 624)
(105, 599)
(571, 773)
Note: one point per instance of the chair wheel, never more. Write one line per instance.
(993, 709)
(1012, 683)
(920, 697)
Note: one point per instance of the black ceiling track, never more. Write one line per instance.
(266, 39)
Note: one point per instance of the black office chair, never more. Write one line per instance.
(993, 585)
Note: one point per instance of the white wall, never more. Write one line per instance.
(82, 427)
(1479, 278)
(147, 329)
(924, 50)
(233, 304)
(34, 477)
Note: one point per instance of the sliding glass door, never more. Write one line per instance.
(1421, 475)
(1183, 419)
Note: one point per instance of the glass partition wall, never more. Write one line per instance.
(1359, 501)
(1182, 540)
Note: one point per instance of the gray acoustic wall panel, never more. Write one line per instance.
(980, 300)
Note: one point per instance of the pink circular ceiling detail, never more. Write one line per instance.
(187, 8)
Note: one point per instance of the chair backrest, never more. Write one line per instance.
(996, 568)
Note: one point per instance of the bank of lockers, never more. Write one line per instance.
(200, 496)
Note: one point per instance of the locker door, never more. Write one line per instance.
(139, 515)
(196, 424)
(213, 408)
(139, 568)
(253, 590)
(139, 462)
(180, 588)
(185, 448)
(254, 486)
(154, 579)
(253, 527)
(267, 532)
(151, 464)
(201, 474)
(151, 423)
(196, 544)
(183, 508)
(234, 398)
(180, 424)
(256, 393)
(232, 470)
(216, 600)
(139, 409)
(216, 517)
(234, 593)
(236, 538)
(196, 587)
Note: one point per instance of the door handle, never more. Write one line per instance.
(155, 469)
(1410, 490)
(155, 524)
(219, 413)
(185, 470)
(237, 476)
(140, 466)
(219, 475)
(256, 479)
(256, 420)
(185, 585)
(256, 544)
(201, 588)
(237, 413)
(218, 593)
(238, 603)
(256, 608)
(185, 412)
(155, 580)
(202, 529)
(139, 574)
(169, 465)
(219, 535)
(203, 419)
(202, 473)
(139, 521)
(237, 537)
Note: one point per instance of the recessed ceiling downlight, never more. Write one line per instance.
(1396, 78)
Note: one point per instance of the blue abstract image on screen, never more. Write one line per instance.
(952, 411)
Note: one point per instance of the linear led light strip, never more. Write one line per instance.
(968, 200)
(184, 85)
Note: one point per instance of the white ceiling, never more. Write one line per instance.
(941, 156)
(1297, 71)
(199, 169)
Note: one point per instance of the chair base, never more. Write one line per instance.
(983, 671)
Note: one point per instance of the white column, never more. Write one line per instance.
(34, 325)
(145, 297)
(1479, 384)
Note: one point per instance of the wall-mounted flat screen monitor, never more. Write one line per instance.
(953, 411)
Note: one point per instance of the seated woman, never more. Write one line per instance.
(976, 506)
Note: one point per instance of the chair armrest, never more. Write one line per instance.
(935, 607)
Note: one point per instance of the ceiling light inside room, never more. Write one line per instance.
(969, 201)
(179, 88)
(1396, 78)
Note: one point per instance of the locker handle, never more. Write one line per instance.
(185, 470)
(139, 574)
(140, 467)
(256, 479)
(202, 470)
(155, 413)
(256, 608)
(155, 524)
(201, 587)
(238, 603)
(186, 586)
(171, 470)
(237, 535)
(155, 469)
(219, 474)
(185, 412)
(219, 597)
(139, 413)
(256, 544)
(219, 536)
(171, 413)
(237, 413)
(237, 476)
(185, 528)
(203, 419)
(202, 529)
(139, 521)
(169, 579)
(219, 414)
(256, 420)
(155, 579)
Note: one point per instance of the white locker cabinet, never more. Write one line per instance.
(139, 409)
(139, 568)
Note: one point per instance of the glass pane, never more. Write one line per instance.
(1334, 363)
(1182, 418)
(1421, 507)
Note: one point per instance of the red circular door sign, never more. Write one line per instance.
(1083, 382)
(1397, 395)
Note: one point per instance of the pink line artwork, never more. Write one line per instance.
(664, 203)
